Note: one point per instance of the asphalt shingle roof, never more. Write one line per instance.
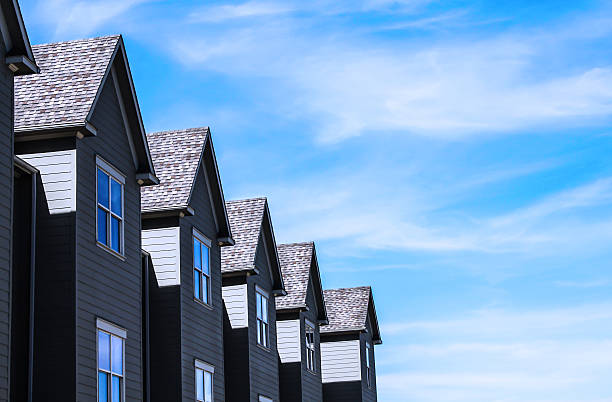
(64, 91)
(347, 309)
(176, 156)
(295, 260)
(245, 217)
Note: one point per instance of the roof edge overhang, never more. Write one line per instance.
(76, 129)
(266, 224)
(179, 210)
(240, 272)
(20, 57)
(316, 276)
(341, 332)
(376, 339)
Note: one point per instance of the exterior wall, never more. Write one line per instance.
(58, 172)
(263, 366)
(6, 202)
(236, 356)
(341, 360)
(312, 387)
(347, 391)
(107, 286)
(202, 326)
(369, 393)
(164, 246)
(235, 301)
(289, 341)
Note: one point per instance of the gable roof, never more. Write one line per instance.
(348, 310)
(19, 54)
(250, 220)
(178, 156)
(61, 99)
(299, 266)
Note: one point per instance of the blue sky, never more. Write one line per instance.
(453, 154)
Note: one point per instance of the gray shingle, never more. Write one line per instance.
(347, 309)
(245, 217)
(295, 260)
(176, 157)
(64, 91)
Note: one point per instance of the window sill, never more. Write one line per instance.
(110, 251)
(267, 349)
(201, 303)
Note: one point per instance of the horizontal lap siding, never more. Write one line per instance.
(235, 300)
(202, 326)
(349, 391)
(164, 246)
(6, 181)
(289, 338)
(264, 374)
(107, 286)
(340, 361)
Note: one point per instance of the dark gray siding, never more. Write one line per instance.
(107, 287)
(369, 393)
(236, 358)
(263, 365)
(290, 377)
(312, 387)
(346, 391)
(202, 326)
(6, 202)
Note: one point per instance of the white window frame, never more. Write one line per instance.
(262, 326)
(115, 174)
(207, 243)
(311, 347)
(368, 351)
(113, 330)
(205, 368)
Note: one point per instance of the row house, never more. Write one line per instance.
(185, 225)
(16, 207)
(298, 317)
(252, 278)
(78, 123)
(347, 345)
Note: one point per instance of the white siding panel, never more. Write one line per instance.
(58, 175)
(340, 361)
(164, 246)
(288, 340)
(235, 299)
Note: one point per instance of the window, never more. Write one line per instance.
(204, 381)
(201, 268)
(109, 196)
(264, 399)
(111, 368)
(262, 318)
(368, 352)
(311, 363)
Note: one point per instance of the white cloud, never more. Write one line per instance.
(249, 9)
(82, 17)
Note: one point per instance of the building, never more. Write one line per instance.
(78, 123)
(251, 280)
(185, 224)
(298, 316)
(347, 345)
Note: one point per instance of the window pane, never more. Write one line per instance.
(102, 188)
(116, 198)
(197, 254)
(102, 229)
(115, 234)
(199, 385)
(117, 347)
(103, 350)
(264, 308)
(259, 338)
(102, 387)
(208, 386)
(116, 389)
(205, 289)
(205, 268)
(196, 284)
(258, 302)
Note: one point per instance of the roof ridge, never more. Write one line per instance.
(351, 288)
(117, 36)
(177, 130)
(248, 199)
(301, 243)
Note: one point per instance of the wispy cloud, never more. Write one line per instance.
(251, 9)
(78, 18)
